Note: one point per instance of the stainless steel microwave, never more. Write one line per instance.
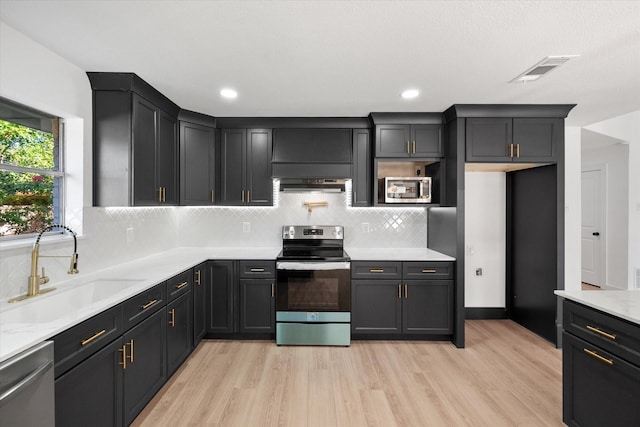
(407, 189)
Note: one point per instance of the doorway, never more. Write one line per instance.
(592, 231)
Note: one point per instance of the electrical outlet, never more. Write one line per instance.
(130, 236)
(478, 272)
(246, 227)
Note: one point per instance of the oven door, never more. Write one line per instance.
(313, 286)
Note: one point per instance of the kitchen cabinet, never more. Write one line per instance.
(409, 140)
(395, 297)
(362, 165)
(245, 167)
(505, 139)
(221, 282)
(199, 302)
(197, 160)
(135, 142)
(600, 368)
(179, 331)
(257, 297)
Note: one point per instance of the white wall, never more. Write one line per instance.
(485, 239)
(627, 128)
(572, 210)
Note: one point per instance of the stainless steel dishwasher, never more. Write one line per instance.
(27, 388)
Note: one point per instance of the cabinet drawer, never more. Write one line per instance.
(81, 341)
(376, 270)
(610, 333)
(257, 269)
(143, 305)
(179, 284)
(427, 270)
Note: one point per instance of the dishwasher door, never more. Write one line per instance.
(27, 388)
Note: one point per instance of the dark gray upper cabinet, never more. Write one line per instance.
(362, 165)
(312, 153)
(393, 140)
(135, 142)
(245, 167)
(197, 161)
(503, 139)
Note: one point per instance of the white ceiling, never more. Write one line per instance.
(349, 58)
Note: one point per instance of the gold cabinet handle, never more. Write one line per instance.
(601, 332)
(124, 357)
(131, 350)
(257, 270)
(197, 280)
(164, 194)
(408, 150)
(248, 196)
(94, 337)
(242, 196)
(511, 150)
(376, 270)
(213, 200)
(429, 271)
(273, 290)
(518, 150)
(172, 322)
(414, 147)
(597, 356)
(149, 304)
(182, 285)
(399, 290)
(159, 194)
(406, 291)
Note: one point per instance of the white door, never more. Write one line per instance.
(592, 227)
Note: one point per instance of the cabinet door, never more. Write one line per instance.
(90, 394)
(145, 116)
(199, 302)
(361, 168)
(489, 139)
(167, 158)
(232, 167)
(257, 305)
(598, 388)
(179, 331)
(220, 300)
(393, 140)
(426, 141)
(427, 307)
(376, 307)
(197, 164)
(537, 140)
(146, 372)
(259, 185)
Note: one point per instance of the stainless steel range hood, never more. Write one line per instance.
(308, 185)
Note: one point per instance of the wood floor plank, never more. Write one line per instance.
(506, 376)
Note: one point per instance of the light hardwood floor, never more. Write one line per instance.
(506, 376)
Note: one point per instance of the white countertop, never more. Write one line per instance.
(622, 304)
(29, 322)
(395, 254)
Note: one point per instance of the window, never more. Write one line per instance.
(31, 173)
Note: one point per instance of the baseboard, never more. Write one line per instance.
(477, 313)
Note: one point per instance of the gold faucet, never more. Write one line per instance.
(36, 280)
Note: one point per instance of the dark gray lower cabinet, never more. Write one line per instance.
(179, 331)
(199, 302)
(91, 393)
(221, 279)
(384, 302)
(257, 305)
(146, 369)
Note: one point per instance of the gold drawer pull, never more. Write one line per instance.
(600, 332)
(182, 285)
(149, 304)
(429, 271)
(198, 280)
(376, 270)
(97, 335)
(257, 270)
(172, 322)
(597, 356)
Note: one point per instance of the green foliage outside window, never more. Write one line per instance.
(26, 198)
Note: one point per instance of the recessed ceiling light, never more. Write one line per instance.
(410, 93)
(542, 68)
(229, 93)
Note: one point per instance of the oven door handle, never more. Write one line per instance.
(313, 265)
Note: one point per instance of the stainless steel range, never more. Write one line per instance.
(313, 299)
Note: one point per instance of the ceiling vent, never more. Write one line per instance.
(541, 68)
